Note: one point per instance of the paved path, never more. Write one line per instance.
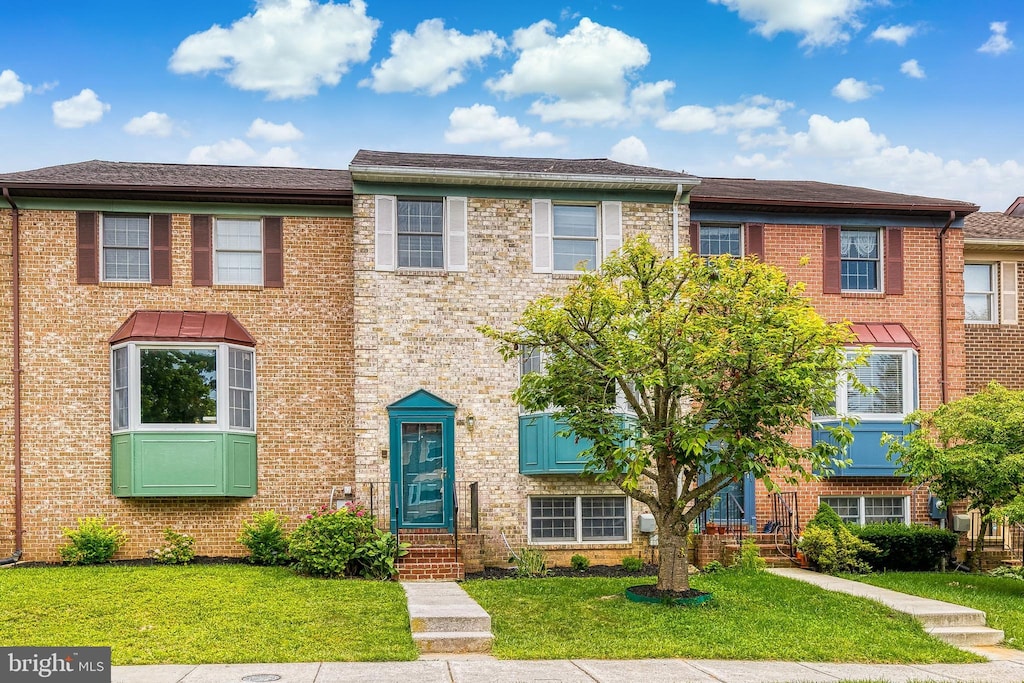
(445, 620)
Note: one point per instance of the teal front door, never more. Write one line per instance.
(422, 450)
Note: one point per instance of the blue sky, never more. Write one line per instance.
(916, 96)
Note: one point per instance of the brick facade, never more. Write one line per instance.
(995, 351)
(304, 376)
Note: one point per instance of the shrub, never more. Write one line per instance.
(915, 548)
(93, 542)
(177, 549)
(265, 539)
(713, 566)
(826, 517)
(530, 562)
(579, 562)
(1005, 572)
(749, 559)
(631, 563)
(326, 543)
(376, 557)
(835, 551)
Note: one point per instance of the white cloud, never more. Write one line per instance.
(280, 156)
(748, 114)
(274, 132)
(757, 161)
(898, 33)
(647, 100)
(582, 75)
(80, 110)
(631, 150)
(152, 123)
(912, 68)
(843, 139)
(852, 90)
(432, 59)
(12, 90)
(997, 43)
(820, 22)
(233, 151)
(287, 48)
(481, 123)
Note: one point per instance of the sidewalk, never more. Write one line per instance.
(487, 670)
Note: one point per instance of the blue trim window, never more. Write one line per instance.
(861, 253)
(721, 239)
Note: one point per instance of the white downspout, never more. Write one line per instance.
(675, 220)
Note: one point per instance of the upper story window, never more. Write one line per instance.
(574, 237)
(861, 254)
(420, 233)
(125, 246)
(238, 251)
(721, 239)
(980, 293)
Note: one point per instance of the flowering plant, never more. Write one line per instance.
(328, 542)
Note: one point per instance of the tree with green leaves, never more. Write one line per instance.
(720, 361)
(971, 449)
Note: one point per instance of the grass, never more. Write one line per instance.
(204, 614)
(752, 616)
(1001, 599)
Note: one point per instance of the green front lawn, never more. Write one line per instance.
(1001, 599)
(758, 616)
(204, 614)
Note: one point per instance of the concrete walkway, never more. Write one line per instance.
(445, 620)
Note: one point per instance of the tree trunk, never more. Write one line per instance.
(672, 566)
(979, 543)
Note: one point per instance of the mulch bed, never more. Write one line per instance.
(653, 592)
(600, 571)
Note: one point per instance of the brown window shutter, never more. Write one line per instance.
(695, 237)
(832, 274)
(202, 251)
(273, 252)
(160, 249)
(88, 248)
(755, 240)
(893, 261)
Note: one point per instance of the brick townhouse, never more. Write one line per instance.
(339, 310)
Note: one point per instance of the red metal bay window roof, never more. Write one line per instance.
(883, 335)
(187, 326)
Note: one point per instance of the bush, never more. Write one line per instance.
(915, 548)
(1005, 572)
(265, 539)
(327, 543)
(93, 542)
(631, 563)
(579, 562)
(178, 549)
(713, 566)
(834, 551)
(530, 562)
(377, 556)
(826, 517)
(749, 559)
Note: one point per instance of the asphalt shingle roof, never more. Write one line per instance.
(993, 225)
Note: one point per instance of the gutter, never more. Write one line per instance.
(514, 178)
(675, 220)
(942, 305)
(19, 529)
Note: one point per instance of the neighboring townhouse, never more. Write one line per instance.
(184, 335)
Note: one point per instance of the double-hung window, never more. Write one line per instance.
(125, 242)
(238, 251)
(420, 233)
(980, 293)
(721, 239)
(574, 237)
(869, 509)
(579, 519)
(861, 254)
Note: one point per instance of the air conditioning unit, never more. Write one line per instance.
(961, 523)
(647, 525)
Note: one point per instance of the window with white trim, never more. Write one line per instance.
(238, 251)
(174, 386)
(579, 519)
(420, 231)
(574, 237)
(980, 293)
(892, 375)
(125, 244)
(721, 239)
(861, 254)
(869, 509)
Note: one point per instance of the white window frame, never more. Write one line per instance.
(861, 506)
(737, 226)
(443, 234)
(908, 358)
(578, 509)
(216, 264)
(596, 239)
(222, 424)
(880, 235)
(992, 293)
(103, 247)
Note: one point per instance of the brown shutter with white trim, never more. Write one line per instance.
(832, 261)
(754, 244)
(88, 248)
(202, 251)
(273, 252)
(160, 249)
(893, 261)
(694, 237)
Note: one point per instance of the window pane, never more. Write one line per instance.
(860, 252)
(604, 518)
(978, 307)
(420, 252)
(880, 510)
(569, 253)
(125, 264)
(846, 507)
(237, 234)
(239, 268)
(530, 361)
(715, 240)
(859, 244)
(119, 394)
(575, 221)
(553, 519)
(860, 275)
(240, 385)
(420, 216)
(179, 386)
(125, 231)
(885, 372)
(977, 277)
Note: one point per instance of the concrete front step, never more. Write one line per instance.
(444, 619)
(453, 642)
(967, 636)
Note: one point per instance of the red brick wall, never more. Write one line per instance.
(996, 352)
